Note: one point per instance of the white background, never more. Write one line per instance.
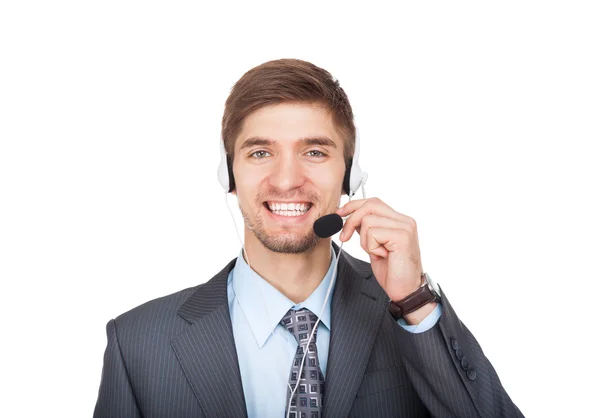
(481, 121)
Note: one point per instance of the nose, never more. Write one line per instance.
(287, 173)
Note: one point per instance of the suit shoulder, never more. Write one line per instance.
(163, 312)
(156, 310)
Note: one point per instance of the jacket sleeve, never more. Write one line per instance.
(116, 398)
(450, 373)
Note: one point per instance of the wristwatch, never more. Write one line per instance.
(428, 292)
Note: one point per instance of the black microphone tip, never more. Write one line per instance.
(328, 225)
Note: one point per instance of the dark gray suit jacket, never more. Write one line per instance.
(176, 357)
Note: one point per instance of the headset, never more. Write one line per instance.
(354, 179)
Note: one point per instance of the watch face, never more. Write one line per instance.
(432, 285)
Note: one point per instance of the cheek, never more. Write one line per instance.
(247, 185)
(245, 195)
(328, 180)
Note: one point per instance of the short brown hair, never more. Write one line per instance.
(285, 81)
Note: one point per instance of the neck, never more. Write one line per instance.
(295, 275)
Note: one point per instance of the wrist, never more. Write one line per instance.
(419, 303)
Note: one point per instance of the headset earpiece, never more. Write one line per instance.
(356, 177)
(225, 170)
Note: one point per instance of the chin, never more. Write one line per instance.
(288, 243)
(284, 229)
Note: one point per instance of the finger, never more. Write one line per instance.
(369, 208)
(374, 221)
(353, 205)
(384, 240)
(350, 207)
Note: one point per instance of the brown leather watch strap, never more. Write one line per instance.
(417, 299)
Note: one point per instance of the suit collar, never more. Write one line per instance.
(209, 296)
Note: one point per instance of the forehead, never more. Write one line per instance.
(289, 122)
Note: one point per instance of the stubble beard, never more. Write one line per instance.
(286, 243)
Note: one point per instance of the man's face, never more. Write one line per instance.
(288, 168)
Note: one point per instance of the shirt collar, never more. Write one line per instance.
(252, 292)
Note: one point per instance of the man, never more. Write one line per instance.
(242, 344)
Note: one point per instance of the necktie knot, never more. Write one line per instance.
(300, 323)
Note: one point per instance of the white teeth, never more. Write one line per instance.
(289, 209)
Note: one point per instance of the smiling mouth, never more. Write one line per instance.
(288, 208)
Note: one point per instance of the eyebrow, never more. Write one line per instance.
(313, 140)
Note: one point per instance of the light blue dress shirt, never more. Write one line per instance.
(266, 349)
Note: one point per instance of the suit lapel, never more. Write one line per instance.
(206, 350)
(207, 354)
(357, 310)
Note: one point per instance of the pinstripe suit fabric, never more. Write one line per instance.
(176, 357)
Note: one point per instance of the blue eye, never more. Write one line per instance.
(316, 153)
(259, 154)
